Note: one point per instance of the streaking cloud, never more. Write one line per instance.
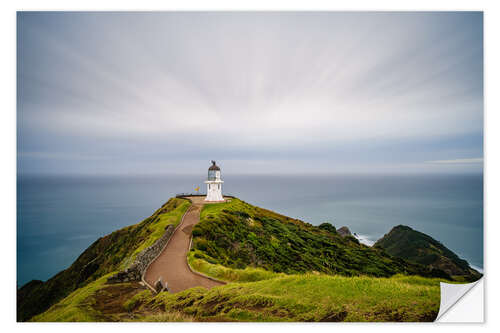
(459, 161)
(349, 91)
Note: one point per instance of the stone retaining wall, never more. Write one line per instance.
(135, 271)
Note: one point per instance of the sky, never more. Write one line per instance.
(260, 92)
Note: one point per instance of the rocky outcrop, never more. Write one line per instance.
(344, 231)
(414, 246)
(135, 271)
(160, 286)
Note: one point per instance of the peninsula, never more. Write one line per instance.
(257, 265)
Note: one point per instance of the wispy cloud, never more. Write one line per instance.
(141, 86)
(60, 156)
(459, 161)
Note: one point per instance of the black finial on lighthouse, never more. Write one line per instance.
(214, 166)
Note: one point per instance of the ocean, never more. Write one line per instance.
(58, 217)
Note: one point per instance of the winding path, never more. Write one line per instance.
(171, 265)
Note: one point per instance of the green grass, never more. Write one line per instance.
(77, 306)
(216, 208)
(227, 274)
(310, 297)
(138, 298)
(175, 316)
(301, 297)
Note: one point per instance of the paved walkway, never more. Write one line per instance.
(171, 265)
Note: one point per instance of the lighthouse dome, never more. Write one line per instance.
(214, 167)
(214, 172)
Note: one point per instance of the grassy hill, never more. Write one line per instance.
(107, 254)
(237, 235)
(404, 242)
(278, 269)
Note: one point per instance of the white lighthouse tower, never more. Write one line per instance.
(214, 184)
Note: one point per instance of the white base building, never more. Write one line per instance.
(214, 184)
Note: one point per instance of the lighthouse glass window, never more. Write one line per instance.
(211, 175)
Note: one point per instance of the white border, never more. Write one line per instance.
(8, 136)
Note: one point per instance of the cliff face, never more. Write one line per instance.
(404, 242)
(107, 254)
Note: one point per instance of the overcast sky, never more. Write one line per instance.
(147, 93)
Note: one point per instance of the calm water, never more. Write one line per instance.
(59, 217)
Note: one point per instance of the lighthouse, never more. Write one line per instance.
(214, 184)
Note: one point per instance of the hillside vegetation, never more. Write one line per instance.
(298, 297)
(277, 268)
(239, 235)
(107, 254)
(415, 246)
